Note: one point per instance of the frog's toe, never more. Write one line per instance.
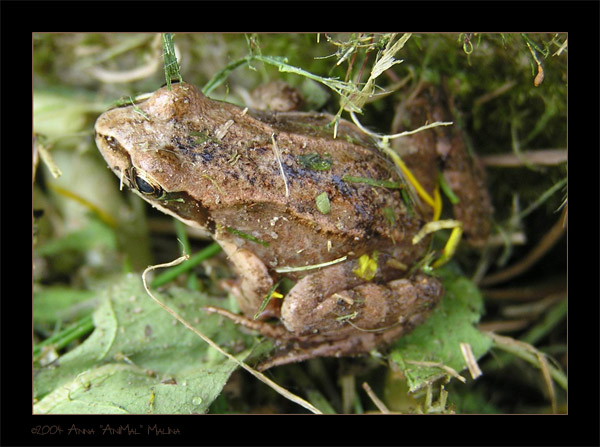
(267, 329)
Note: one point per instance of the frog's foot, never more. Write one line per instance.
(298, 349)
(276, 332)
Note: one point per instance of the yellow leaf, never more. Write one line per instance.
(367, 267)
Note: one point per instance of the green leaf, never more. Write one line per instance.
(138, 360)
(58, 303)
(60, 111)
(438, 339)
(94, 234)
(315, 162)
(322, 202)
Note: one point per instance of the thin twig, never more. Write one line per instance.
(378, 403)
(528, 353)
(470, 361)
(547, 157)
(531, 292)
(310, 267)
(504, 326)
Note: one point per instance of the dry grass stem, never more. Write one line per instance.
(278, 158)
(546, 157)
(470, 360)
(543, 246)
(378, 403)
(504, 326)
(310, 267)
(531, 292)
(531, 355)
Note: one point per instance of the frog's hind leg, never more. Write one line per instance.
(399, 306)
(305, 306)
(297, 350)
(294, 353)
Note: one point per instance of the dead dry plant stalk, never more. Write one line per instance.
(378, 403)
(542, 247)
(546, 157)
(470, 360)
(535, 357)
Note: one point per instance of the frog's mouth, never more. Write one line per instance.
(184, 207)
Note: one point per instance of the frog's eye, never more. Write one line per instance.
(145, 185)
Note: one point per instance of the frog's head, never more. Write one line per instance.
(142, 143)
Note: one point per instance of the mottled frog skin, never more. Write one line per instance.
(218, 167)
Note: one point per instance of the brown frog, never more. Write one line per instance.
(250, 179)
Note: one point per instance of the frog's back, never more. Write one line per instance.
(259, 173)
(290, 159)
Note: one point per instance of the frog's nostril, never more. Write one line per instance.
(111, 143)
